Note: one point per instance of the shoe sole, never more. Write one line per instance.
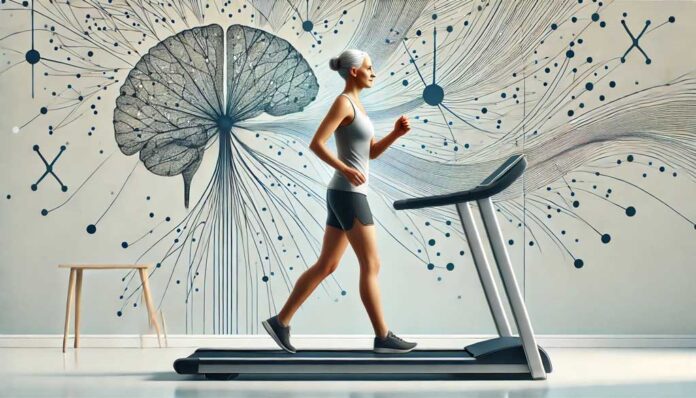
(273, 334)
(392, 350)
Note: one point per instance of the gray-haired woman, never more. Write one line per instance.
(346, 200)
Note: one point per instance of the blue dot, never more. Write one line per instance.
(32, 56)
(91, 228)
(119, 313)
(511, 242)
(612, 84)
(554, 26)
(307, 26)
(450, 28)
(570, 53)
(630, 211)
(484, 110)
(576, 203)
(606, 238)
(672, 19)
(589, 86)
(450, 266)
(578, 263)
(343, 292)
(431, 242)
(404, 82)
(431, 266)
(595, 17)
(265, 278)
(124, 245)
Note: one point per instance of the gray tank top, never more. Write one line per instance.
(353, 147)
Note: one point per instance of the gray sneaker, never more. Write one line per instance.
(280, 333)
(392, 344)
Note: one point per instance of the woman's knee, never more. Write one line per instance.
(370, 265)
(326, 268)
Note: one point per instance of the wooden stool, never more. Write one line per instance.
(76, 270)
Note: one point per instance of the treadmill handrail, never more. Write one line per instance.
(512, 173)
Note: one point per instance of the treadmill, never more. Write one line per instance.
(504, 357)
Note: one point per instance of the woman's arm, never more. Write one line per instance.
(401, 127)
(339, 111)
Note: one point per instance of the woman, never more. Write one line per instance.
(349, 219)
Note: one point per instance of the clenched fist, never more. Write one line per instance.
(354, 176)
(402, 126)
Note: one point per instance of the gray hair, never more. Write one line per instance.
(350, 58)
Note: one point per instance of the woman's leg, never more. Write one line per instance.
(364, 242)
(332, 249)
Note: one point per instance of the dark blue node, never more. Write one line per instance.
(606, 238)
(64, 188)
(119, 313)
(91, 228)
(124, 244)
(431, 266)
(554, 26)
(32, 56)
(595, 17)
(307, 26)
(433, 94)
(265, 278)
(225, 124)
(34, 187)
(630, 211)
(404, 82)
(450, 266)
(431, 242)
(672, 19)
(578, 263)
(343, 292)
(570, 53)
(589, 86)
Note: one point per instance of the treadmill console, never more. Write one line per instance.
(500, 171)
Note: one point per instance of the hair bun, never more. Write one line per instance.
(334, 64)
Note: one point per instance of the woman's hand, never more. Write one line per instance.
(353, 175)
(402, 126)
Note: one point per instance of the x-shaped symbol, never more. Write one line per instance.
(635, 42)
(49, 169)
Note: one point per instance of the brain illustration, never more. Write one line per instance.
(173, 101)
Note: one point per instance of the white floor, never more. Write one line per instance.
(116, 372)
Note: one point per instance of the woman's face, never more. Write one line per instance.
(365, 74)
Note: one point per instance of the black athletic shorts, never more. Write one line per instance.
(344, 206)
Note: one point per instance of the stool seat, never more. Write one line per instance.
(105, 266)
(75, 287)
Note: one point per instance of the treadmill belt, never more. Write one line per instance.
(323, 354)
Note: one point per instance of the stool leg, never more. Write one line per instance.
(148, 301)
(78, 294)
(71, 285)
